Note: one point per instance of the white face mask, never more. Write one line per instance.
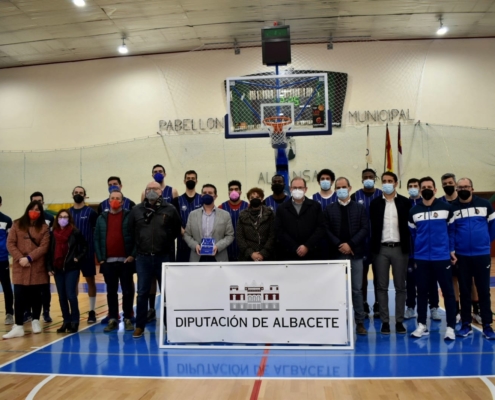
(297, 194)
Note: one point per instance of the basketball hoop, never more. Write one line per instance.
(276, 130)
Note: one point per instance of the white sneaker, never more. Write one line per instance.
(35, 325)
(9, 319)
(16, 331)
(410, 313)
(477, 318)
(458, 319)
(449, 334)
(420, 331)
(435, 315)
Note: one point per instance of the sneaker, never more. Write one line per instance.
(435, 314)
(360, 329)
(487, 332)
(449, 334)
(385, 328)
(151, 316)
(16, 331)
(400, 328)
(420, 331)
(477, 318)
(410, 313)
(128, 325)
(113, 325)
(458, 319)
(465, 330)
(27, 317)
(46, 317)
(138, 332)
(376, 310)
(35, 325)
(9, 319)
(91, 317)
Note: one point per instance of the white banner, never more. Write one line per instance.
(265, 303)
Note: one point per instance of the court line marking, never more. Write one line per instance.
(490, 385)
(261, 371)
(38, 387)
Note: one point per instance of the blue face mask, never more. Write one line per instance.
(413, 192)
(369, 184)
(158, 177)
(325, 185)
(113, 188)
(207, 199)
(342, 194)
(388, 188)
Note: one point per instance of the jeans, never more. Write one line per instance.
(7, 287)
(148, 268)
(442, 271)
(477, 267)
(113, 272)
(411, 287)
(356, 285)
(66, 282)
(27, 297)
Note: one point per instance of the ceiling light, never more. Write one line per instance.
(443, 29)
(123, 48)
(79, 3)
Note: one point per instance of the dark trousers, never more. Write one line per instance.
(477, 267)
(442, 270)
(113, 273)
(7, 287)
(26, 297)
(66, 282)
(148, 268)
(411, 287)
(183, 251)
(46, 298)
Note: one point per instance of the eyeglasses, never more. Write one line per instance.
(463, 187)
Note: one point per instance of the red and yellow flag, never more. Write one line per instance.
(389, 158)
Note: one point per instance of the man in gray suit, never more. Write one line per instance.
(209, 222)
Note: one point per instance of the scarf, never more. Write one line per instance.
(61, 246)
(150, 209)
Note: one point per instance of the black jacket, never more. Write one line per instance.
(293, 230)
(358, 227)
(157, 236)
(78, 248)
(377, 211)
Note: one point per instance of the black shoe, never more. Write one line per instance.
(366, 308)
(46, 317)
(91, 317)
(151, 316)
(376, 310)
(400, 328)
(64, 328)
(74, 327)
(385, 328)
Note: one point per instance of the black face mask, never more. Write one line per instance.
(278, 188)
(427, 194)
(449, 190)
(255, 203)
(78, 198)
(190, 185)
(464, 194)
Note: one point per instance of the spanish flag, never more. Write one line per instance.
(389, 158)
(400, 167)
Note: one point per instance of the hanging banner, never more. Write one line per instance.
(263, 303)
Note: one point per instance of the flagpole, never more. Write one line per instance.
(367, 141)
(399, 161)
(385, 158)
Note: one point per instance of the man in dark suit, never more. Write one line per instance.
(299, 225)
(390, 244)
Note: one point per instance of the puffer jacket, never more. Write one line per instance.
(259, 237)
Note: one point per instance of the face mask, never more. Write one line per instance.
(234, 196)
(464, 194)
(427, 194)
(369, 183)
(255, 203)
(342, 194)
(34, 215)
(278, 188)
(114, 204)
(297, 194)
(78, 198)
(158, 177)
(413, 192)
(388, 188)
(63, 221)
(190, 185)
(449, 190)
(325, 185)
(207, 199)
(113, 188)
(152, 195)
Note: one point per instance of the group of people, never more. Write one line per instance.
(424, 240)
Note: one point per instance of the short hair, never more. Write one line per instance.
(326, 171)
(460, 179)
(256, 190)
(190, 172)
(79, 187)
(447, 176)
(390, 173)
(427, 179)
(298, 178)
(234, 183)
(343, 177)
(369, 170)
(71, 219)
(158, 165)
(114, 178)
(36, 194)
(116, 191)
(412, 180)
(281, 176)
(209, 185)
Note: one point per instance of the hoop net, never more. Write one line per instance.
(276, 130)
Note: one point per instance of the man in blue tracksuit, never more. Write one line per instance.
(432, 231)
(474, 223)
